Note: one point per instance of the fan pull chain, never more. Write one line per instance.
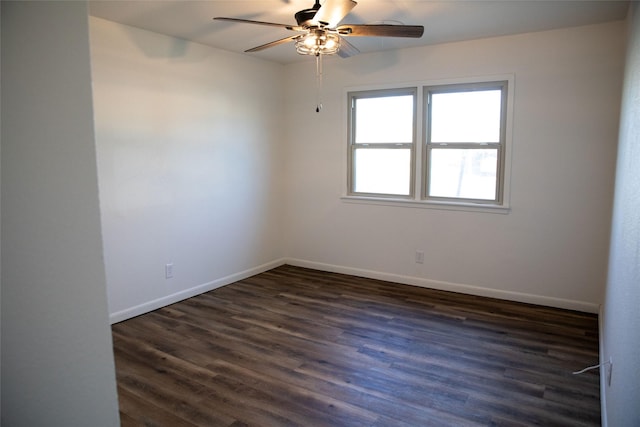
(318, 82)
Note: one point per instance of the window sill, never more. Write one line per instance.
(427, 204)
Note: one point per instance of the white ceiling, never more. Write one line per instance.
(444, 21)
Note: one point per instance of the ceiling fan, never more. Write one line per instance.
(319, 33)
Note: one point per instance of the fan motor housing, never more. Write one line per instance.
(304, 17)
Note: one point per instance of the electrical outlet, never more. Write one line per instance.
(419, 257)
(168, 271)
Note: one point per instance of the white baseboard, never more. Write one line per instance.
(408, 280)
(453, 287)
(191, 292)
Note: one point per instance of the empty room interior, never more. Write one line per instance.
(285, 237)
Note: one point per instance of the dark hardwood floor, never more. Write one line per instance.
(299, 347)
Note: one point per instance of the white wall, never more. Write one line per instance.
(57, 359)
(621, 317)
(552, 246)
(185, 179)
(189, 159)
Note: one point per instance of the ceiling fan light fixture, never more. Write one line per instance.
(318, 42)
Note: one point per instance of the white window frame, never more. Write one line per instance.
(503, 86)
(418, 199)
(353, 145)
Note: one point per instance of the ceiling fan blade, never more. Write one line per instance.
(272, 44)
(347, 49)
(381, 30)
(333, 11)
(248, 21)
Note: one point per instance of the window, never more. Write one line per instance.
(465, 139)
(382, 142)
(462, 160)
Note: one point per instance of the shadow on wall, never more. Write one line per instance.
(164, 47)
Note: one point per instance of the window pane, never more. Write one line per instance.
(387, 119)
(466, 116)
(463, 173)
(381, 170)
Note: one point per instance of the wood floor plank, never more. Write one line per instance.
(300, 347)
(138, 411)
